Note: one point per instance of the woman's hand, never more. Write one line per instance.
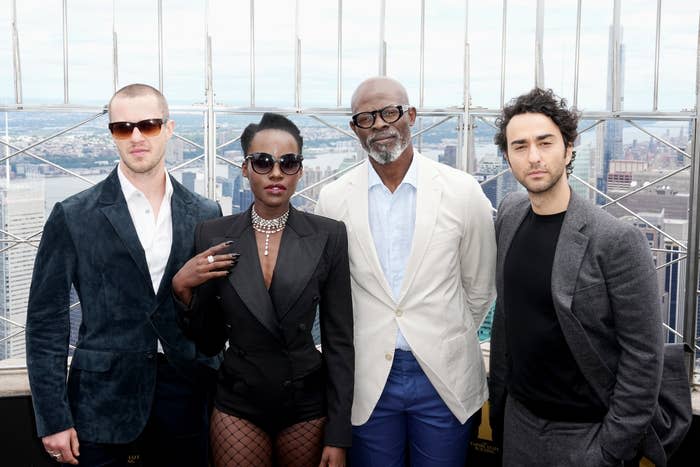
(201, 268)
(332, 457)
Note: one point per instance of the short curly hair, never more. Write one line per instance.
(270, 121)
(540, 101)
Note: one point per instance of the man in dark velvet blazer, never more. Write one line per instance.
(136, 384)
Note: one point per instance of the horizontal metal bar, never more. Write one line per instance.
(45, 161)
(628, 210)
(591, 126)
(228, 161)
(661, 140)
(336, 128)
(185, 163)
(229, 141)
(677, 333)
(189, 141)
(15, 334)
(673, 261)
(428, 128)
(638, 189)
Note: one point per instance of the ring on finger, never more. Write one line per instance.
(210, 259)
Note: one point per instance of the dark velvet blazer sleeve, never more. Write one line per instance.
(337, 342)
(202, 320)
(48, 325)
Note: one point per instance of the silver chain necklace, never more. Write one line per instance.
(268, 226)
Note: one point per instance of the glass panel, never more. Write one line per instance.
(90, 69)
(489, 163)
(678, 56)
(41, 50)
(403, 45)
(360, 44)
(520, 51)
(231, 51)
(137, 42)
(485, 20)
(318, 22)
(559, 47)
(440, 143)
(596, 25)
(188, 141)
(445, 21)
(7, 90)
(638, 41)
(184, 53)
(274, 53)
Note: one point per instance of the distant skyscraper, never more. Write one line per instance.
(21, 216)
(612, 146)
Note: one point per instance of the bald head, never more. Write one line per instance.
(379, 87)
(138, 90)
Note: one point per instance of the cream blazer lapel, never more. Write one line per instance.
(428, 195)
(357, 203)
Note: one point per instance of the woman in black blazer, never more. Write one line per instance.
(279, 400)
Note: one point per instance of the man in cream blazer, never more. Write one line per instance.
(422, 260)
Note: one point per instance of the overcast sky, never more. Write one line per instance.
(186, 22)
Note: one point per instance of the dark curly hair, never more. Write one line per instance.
(541, 101)
(270, 121)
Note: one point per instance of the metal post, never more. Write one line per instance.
(466, 127)
(539, 37)
(252, 53)
(115, 49)
(160, 45)
(382, 38)
(656, 56)
(421, 91)
(339, 92)
(690, 318)
(616, 72)
(210, 130)
(16, 56)
(65, 52)
(297, 57)
(578, 53)
(503, 52)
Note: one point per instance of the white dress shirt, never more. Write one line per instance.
(392, 220)
(155, 234)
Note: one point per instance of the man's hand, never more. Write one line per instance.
(201, 268)
(63, 446)
(332, 457)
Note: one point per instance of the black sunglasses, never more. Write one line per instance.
(390, 114)
(148, 128)
(263, 162)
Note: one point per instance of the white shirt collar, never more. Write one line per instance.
(411, 177)
(130, 190)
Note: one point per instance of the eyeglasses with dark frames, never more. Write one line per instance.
(262, 162)
(148, 128)
(390, 114)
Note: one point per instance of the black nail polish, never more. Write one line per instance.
(228, 242)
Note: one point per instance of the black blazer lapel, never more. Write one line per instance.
(300, 251)
(116, 211)
(184, 221)
(246, 277)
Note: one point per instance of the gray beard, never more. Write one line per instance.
(390, 155)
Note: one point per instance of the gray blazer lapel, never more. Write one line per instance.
(510, 218)
(299, 254)
(571, 250)
(116, 211)
(246, 277)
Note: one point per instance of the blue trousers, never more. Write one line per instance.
(410, 417)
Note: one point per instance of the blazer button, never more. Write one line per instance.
(389, 356)
(302, 327)
(287, 384)
(399, 312)
(150, 355)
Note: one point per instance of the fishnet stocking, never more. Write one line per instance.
(300, 445)
(238, 443)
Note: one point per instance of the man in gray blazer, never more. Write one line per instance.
(136, 384)
(577, 299)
